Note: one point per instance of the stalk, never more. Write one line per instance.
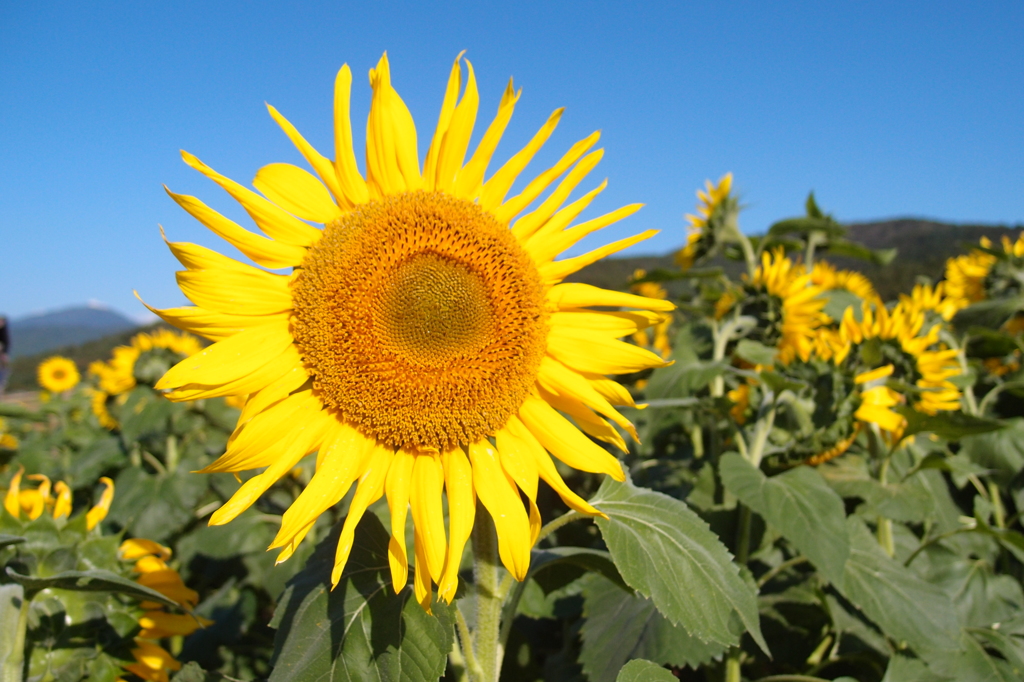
(488, 597)
(13, 625)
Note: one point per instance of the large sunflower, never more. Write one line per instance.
(424, 341)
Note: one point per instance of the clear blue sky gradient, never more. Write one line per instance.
(883, 109)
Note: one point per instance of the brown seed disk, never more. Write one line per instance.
(421, 320)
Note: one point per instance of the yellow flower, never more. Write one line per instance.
(98, 400)
(825, 276)
(117, 375)
(965, 277)
(877, 399)
(425, 319)
(34, 501)
(740, 397)
(8, 441)
(58, 374)
(99, 512)
(709, 199)
(801, 302)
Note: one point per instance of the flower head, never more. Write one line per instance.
(710, 201)
(58, 374)
(796, 303)
(424, 343)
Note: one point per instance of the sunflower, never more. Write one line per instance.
(32, 502)
(798, 303)
(424, 343)
(965, 276)
(710, 199)
(58, 374)
(145, 357)
(152, 661)
(827, 278)
(98, 402)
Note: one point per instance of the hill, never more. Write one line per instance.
(70, 326)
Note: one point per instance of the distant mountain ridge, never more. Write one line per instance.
(70, 326)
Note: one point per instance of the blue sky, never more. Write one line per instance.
(883, 109)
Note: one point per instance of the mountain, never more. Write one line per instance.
(70, 326)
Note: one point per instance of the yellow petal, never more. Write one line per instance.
(392, 160)
(559, 270)
(557, 242)
(231, 358)
(518, 440)
(499, 184)
(611, 324)
(470, 179)
(213, 325)
(557, 378)
(278, 366)
(564, 441)
(266, 252)
(273, 220)
(523, 470)
(422, 584)
(261, 440)
(305, 438)
(62, 506)
(275, 391)
(322, 165)
(297, 192)
(498, 493)
(533, 229)
(456, 138)
(195, 257)
(513, 206)
(588, 352)
(397, 487)
(12, 501)
(458, 476)
(371, 487)
(585, 418)
(451, 95)
(136, 548)
(99, 512)
(349, 177)
(576, 295)
(234, 291)
(880, 373)
(532, 221)
(340, 460)
(427, 513)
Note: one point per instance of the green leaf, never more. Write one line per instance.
(621, 625)
(361, 630)
(755, 353)
(904, 669)
(666, 552)
(970, 661)
(780, 383)
(6, 540)
(154, 506)
(906, 608)
(144, 412)
(557, 567)
(843, 247)
(981, 597)
(89, 581)
(1002, 450)
(800, 505)
(990, 314)
(17, 411)
(640, 670)
(193, 672)
(948, 425)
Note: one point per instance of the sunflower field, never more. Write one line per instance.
(753, 467)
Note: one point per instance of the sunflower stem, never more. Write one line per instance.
(13, 626)
(555, 524)
(471, 666)
(488, 597)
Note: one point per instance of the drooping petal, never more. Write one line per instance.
(371, 487)
(421, 585)
(12, 500)
(397, 487)
(266, 252)
(297, 192)
(518, 440)
(62, 505)
(461, 513)
(427, 513)
(498, 493)
(99, 511)
(564, 441)
(304, 439)
(523, 470)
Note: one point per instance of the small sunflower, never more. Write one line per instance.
(32, 502)
(424, 343)
(796, 305)
(826, 277)
(145, 358)
(98, 402)
(710, 199)
(58, 374)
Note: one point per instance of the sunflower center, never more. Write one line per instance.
(421, 320)
(435, 310)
